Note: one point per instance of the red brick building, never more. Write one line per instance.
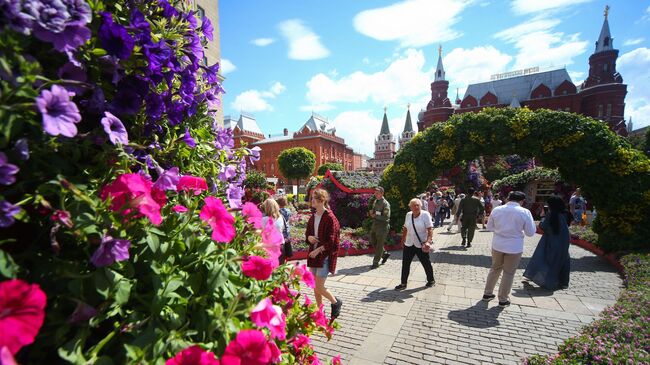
(317, 135)
(600, 96)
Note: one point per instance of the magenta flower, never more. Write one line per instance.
(179, 209)
(137, 192)
(60, 113)
(305, 275)
(253, 215)
(265, 314)
(192, 183)
(257, 267)
(272, 240)
(6, 358)
(115, 129)
(336, 360)
(22, 311)
(62, 216)
(110, 251)
(299, 342)
(216, 215)
(193, 355)
(283, 294)
(250, 347)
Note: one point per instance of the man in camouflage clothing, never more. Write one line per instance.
(469, 209)
(380, 213)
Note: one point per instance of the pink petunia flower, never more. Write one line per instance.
(283, 294)
(276, 354)
(6, 358)
(216, 215)
(257, 267)
(299, 342)
(62, 216)
(192, 183)
(272, 241)
(265, 314)
(22, 311)
(193, 355)
(250, 347)
(137, 192)
(179, 209)
(336, 360)
(319, 317)
(305, 275)
(252, 214)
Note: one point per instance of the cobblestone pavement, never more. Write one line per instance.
(449, 324)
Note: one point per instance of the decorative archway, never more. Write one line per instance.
(613, 176)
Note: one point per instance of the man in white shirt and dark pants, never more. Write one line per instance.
(509, 223)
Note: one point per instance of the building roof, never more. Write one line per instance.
(440, 70)
(605, 41)
(247, 122)
(518, 87)
(318, 123)
(408, 126)
(384, 125)
(274, 139)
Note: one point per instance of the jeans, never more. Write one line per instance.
(407, 258)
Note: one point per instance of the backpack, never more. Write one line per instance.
(287, 249)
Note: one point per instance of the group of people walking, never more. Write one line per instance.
(509, 222)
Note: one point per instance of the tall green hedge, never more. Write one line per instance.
(614, 176)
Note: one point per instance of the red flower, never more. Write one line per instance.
(22, 311)
(257, 267)
(138, 193)
(193, 355)
(252, 214)
(250, 347)
(192, 183)
(216, 215)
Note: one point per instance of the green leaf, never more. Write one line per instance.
(8, 267)
(123, 292)
(153, 242)
(99, 52)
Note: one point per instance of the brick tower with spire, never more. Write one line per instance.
(603, 92)
(384, 148)
(439, 108)
(408, 133)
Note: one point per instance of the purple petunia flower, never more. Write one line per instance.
(168, 10)
(187, 138)
(227, 173)
(158, 56)
(22, 148)
(49, 15)
(115, 129)
(11, 14)
(168, 180)
(59, 112)
(7, 213)
(110, 251)
(62, 23)
(192, 19)
(255, 153)
(82, 313)
(234, 193)
(70, 71)
(224, 138)
(126, 101)
(115, 39)
(141, 26)
(207, 29)
(7, 170)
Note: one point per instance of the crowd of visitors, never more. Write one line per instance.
(509, 221)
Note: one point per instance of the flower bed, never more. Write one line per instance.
(621, 335)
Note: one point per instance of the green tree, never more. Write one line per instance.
(255, 179)
(647, 143)
(296, 163)
(333, 166)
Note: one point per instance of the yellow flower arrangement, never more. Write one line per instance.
(564, 142)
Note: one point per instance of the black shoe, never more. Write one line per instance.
(336, 308)
(463, 243)
(400, 287)
(384, 257)
(374, 266)
(430, 283)
(469, 244)
(488, 297)
(504, 304)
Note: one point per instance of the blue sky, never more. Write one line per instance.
(347, 60)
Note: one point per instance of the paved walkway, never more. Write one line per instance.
(449, 324)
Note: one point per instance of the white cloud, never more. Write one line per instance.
(414, 23)
(466, 66)
(633, 42)
(538, 45)
(635, 68)
(360, 128)
(401, 81)
(578, 77)
(535, 6)
(262, 42)
(227, 66)
(304, 44)
(256, 101)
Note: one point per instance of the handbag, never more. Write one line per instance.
(287, 249)
(425, 247)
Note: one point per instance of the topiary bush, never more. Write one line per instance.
(585, 152)
(122, 239)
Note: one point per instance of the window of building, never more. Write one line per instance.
(600, 111)
(606, 67)
(609, 110)
(272, 167)
(606, 41)
(564, 92)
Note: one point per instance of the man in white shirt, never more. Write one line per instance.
(509, 223)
